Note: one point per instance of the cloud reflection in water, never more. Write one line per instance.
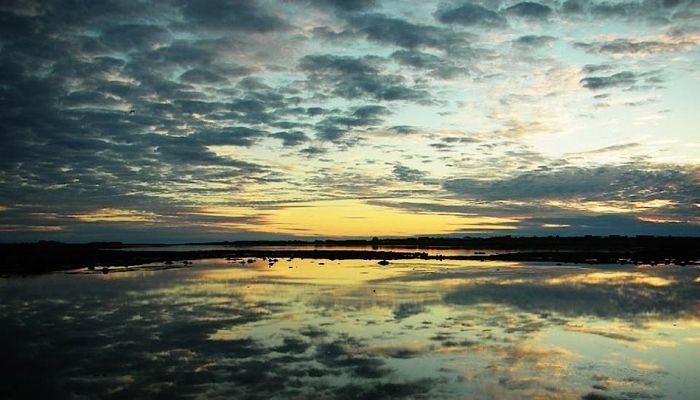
(352, 329)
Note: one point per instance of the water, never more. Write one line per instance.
(433, 251)
(353, 329)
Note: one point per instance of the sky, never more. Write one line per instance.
(176, 120)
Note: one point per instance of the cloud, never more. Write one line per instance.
(313, 151)
(632, 47)
(592, 68)
(370, 113)
(156, 106)
(444, 68)
(451, 142)
(291, 138)
(403, 129)
(193, 151)
(235, 135)
(529, 10)
(652, 12)
(345, 5)
(214, 74)
(200, 76)
(234, 15)
(334, 128)
(358, 78)
(533, 41)
(609, 183)
(407, 174)
(135, 37)
(470, 14)
(625, 79)
(399, 32)
(612, 148)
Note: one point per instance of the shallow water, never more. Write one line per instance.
(433, 251)
(353, 329)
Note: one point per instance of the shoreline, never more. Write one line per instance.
(29, 259)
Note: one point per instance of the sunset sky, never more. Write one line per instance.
(221, 120)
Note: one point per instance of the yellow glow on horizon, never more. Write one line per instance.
(337, 218)
(356, 218)
(116, 215)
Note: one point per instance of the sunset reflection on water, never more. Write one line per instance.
(354, 329)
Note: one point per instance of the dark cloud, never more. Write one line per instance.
(593, 68)
(334, 128)
(197, 53)
(574, 6)
(314, 111)
(439, 67)
(582, 223)
(621, 79)
(135, 37)
(533, 41)
(347, 5)
(357, 78)
(404, 129)
(631, 47)
(408, 174)
(650, 11)
(313, 151)
(326, 131)
(332, 64)
(470, 15)
(291, 138)
(394, 31)
(201, 76)
(236, 136)
(452, 142)
(235, 15)
(602, 183)
(417, 59)
(214, 74)
(192, 150)
(530, 10)
(658, 10)
(370, 113)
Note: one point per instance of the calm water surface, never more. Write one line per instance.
(445, 251)
(353, 329)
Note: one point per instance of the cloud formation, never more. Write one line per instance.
(162, 109)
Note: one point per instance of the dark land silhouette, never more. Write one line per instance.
(40, 257)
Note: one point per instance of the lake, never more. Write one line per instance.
(433, 251)
(353, 329)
